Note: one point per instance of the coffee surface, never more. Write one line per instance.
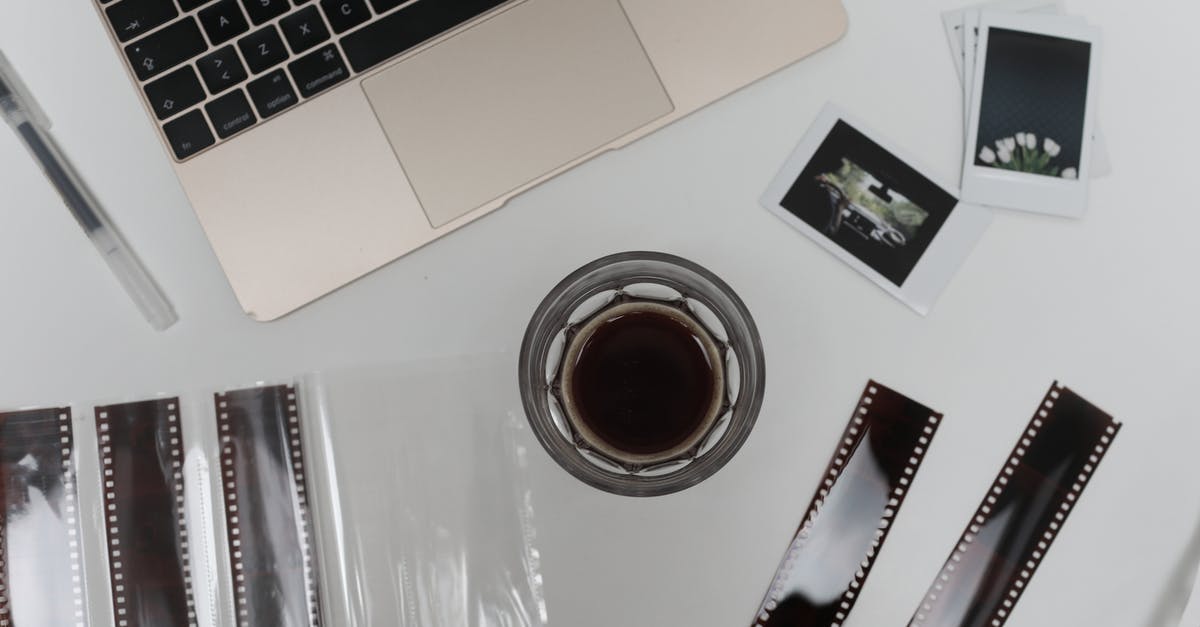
(643, 382)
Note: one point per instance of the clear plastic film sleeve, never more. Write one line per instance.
(198, 511)
(105, 519)
(393, 495)
(422, 510)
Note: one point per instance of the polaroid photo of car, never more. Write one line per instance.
(1030, 134)
(863, 200)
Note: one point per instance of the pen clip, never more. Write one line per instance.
(20, 93)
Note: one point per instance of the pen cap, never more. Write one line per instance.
(12, 87)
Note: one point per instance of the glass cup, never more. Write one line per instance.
(642, 280)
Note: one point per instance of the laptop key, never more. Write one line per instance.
(381, 6)
(407, 28)
(304, 29)
(188, 134)
(221, 69)
(133, 18)
(318, 71)
(265, 10)
(162, 50)
(230, 113)
(272, 93)
(345, 14)
(223, 21)
(263, 49)
(174, 92)
(188, 5)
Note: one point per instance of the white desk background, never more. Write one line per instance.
(1108, 304)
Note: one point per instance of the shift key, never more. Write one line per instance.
(165, 48)
(319, 71)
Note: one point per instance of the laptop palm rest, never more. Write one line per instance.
(514, 98)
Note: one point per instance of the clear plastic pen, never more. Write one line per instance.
(31, 125)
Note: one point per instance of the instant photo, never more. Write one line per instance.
(1031, 114)
(963, 40)
(954, 19)
(867, 204)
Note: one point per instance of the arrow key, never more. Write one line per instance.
(175, 92)
(221, 69)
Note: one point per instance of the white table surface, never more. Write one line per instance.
(1108, 305)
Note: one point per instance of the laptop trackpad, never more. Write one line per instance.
(513, 98)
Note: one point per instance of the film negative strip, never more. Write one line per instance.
(39, 530)
(851, 514)
(266, 508)
(1024, 510)
(5, 605)
(142, 466)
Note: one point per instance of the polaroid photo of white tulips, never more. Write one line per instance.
(1030, 134)
(864, 201)
(954, 19)
(962, 33)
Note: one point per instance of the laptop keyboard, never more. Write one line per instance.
(211, 69)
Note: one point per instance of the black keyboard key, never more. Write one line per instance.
(381, 6)
(263, 49)
(133, 18)
(188, 135)
(188, 5)
(272, 93)
(223, 21)
(221, 70)
(166, 48)
(411, 26)
(318, 71)
(230, 113)
(174, 92)
(346, 14)
(265, 10)
(304, 29)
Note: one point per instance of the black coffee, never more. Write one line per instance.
(643, 381)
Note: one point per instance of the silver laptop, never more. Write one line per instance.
(320, 139)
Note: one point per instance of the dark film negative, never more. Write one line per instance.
(1023, 512)
(40, 580)
(141, 460)
(849, 517)
(266, 508)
